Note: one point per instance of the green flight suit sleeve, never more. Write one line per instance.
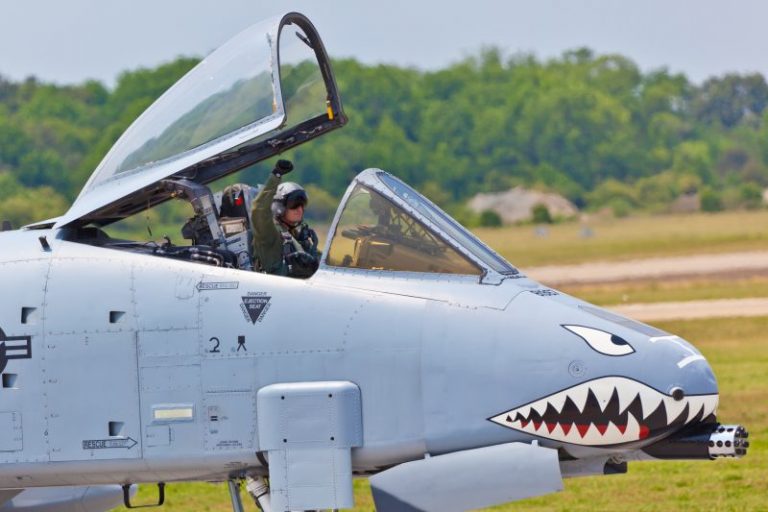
(267, 242)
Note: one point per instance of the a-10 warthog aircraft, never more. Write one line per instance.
(415, 355)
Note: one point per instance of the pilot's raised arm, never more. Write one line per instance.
(283, 243)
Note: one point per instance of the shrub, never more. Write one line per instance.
(620, 207)
(540, 214)
(711, 201)
(490, 219)
(751, 196)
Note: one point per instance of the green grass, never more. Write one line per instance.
(738, 352)
(606, 294)
(635, 237)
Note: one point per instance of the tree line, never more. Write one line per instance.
(594, 128)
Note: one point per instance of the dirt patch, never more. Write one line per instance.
(710, 265)
(694, 309)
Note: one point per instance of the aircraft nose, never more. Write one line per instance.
(689, 371)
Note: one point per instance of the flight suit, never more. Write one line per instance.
(278, 249)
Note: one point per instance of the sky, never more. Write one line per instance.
(71, 41)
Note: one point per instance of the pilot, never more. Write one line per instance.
(283, 244)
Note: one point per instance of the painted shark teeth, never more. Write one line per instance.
(606, 411)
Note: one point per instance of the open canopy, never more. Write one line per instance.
(266, 90)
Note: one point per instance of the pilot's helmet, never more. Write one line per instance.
(289, 195)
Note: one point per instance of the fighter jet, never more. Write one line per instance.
(415, 356)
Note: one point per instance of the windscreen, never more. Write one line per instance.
(448, 225)
(230, 90)
(375, 234)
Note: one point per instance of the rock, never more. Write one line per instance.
(515, 204)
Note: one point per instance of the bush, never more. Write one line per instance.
(490, 219)
(610, 191)
(540, 214)
(620, 207)
(711, 201)
(47, 204)
(751, 196)
(463, 215)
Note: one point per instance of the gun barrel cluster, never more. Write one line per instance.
(704, 441)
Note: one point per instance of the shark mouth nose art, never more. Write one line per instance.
(606, 411)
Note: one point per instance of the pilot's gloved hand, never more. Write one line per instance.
(307, 233)
(302, 264)
(282, 167)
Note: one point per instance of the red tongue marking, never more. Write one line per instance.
(602, 429)
(566, 427)
(551, 427)
(622, 428)
(644, 431)
(524, 423)
(537, 424)
(582, 429)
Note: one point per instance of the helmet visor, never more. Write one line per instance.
(295, 199)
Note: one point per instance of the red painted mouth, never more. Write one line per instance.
(607, 411)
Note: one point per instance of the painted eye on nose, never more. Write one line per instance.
(601, 341)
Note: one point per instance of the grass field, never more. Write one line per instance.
(669, 290)
(628, 238)
(738, 352)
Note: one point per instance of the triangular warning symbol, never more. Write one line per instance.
(255, 306)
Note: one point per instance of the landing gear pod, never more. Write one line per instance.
(704, 441)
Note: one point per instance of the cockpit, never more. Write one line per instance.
(267, 90)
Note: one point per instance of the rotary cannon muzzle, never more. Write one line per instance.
(702, 441)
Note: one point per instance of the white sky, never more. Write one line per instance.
(73, 40)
